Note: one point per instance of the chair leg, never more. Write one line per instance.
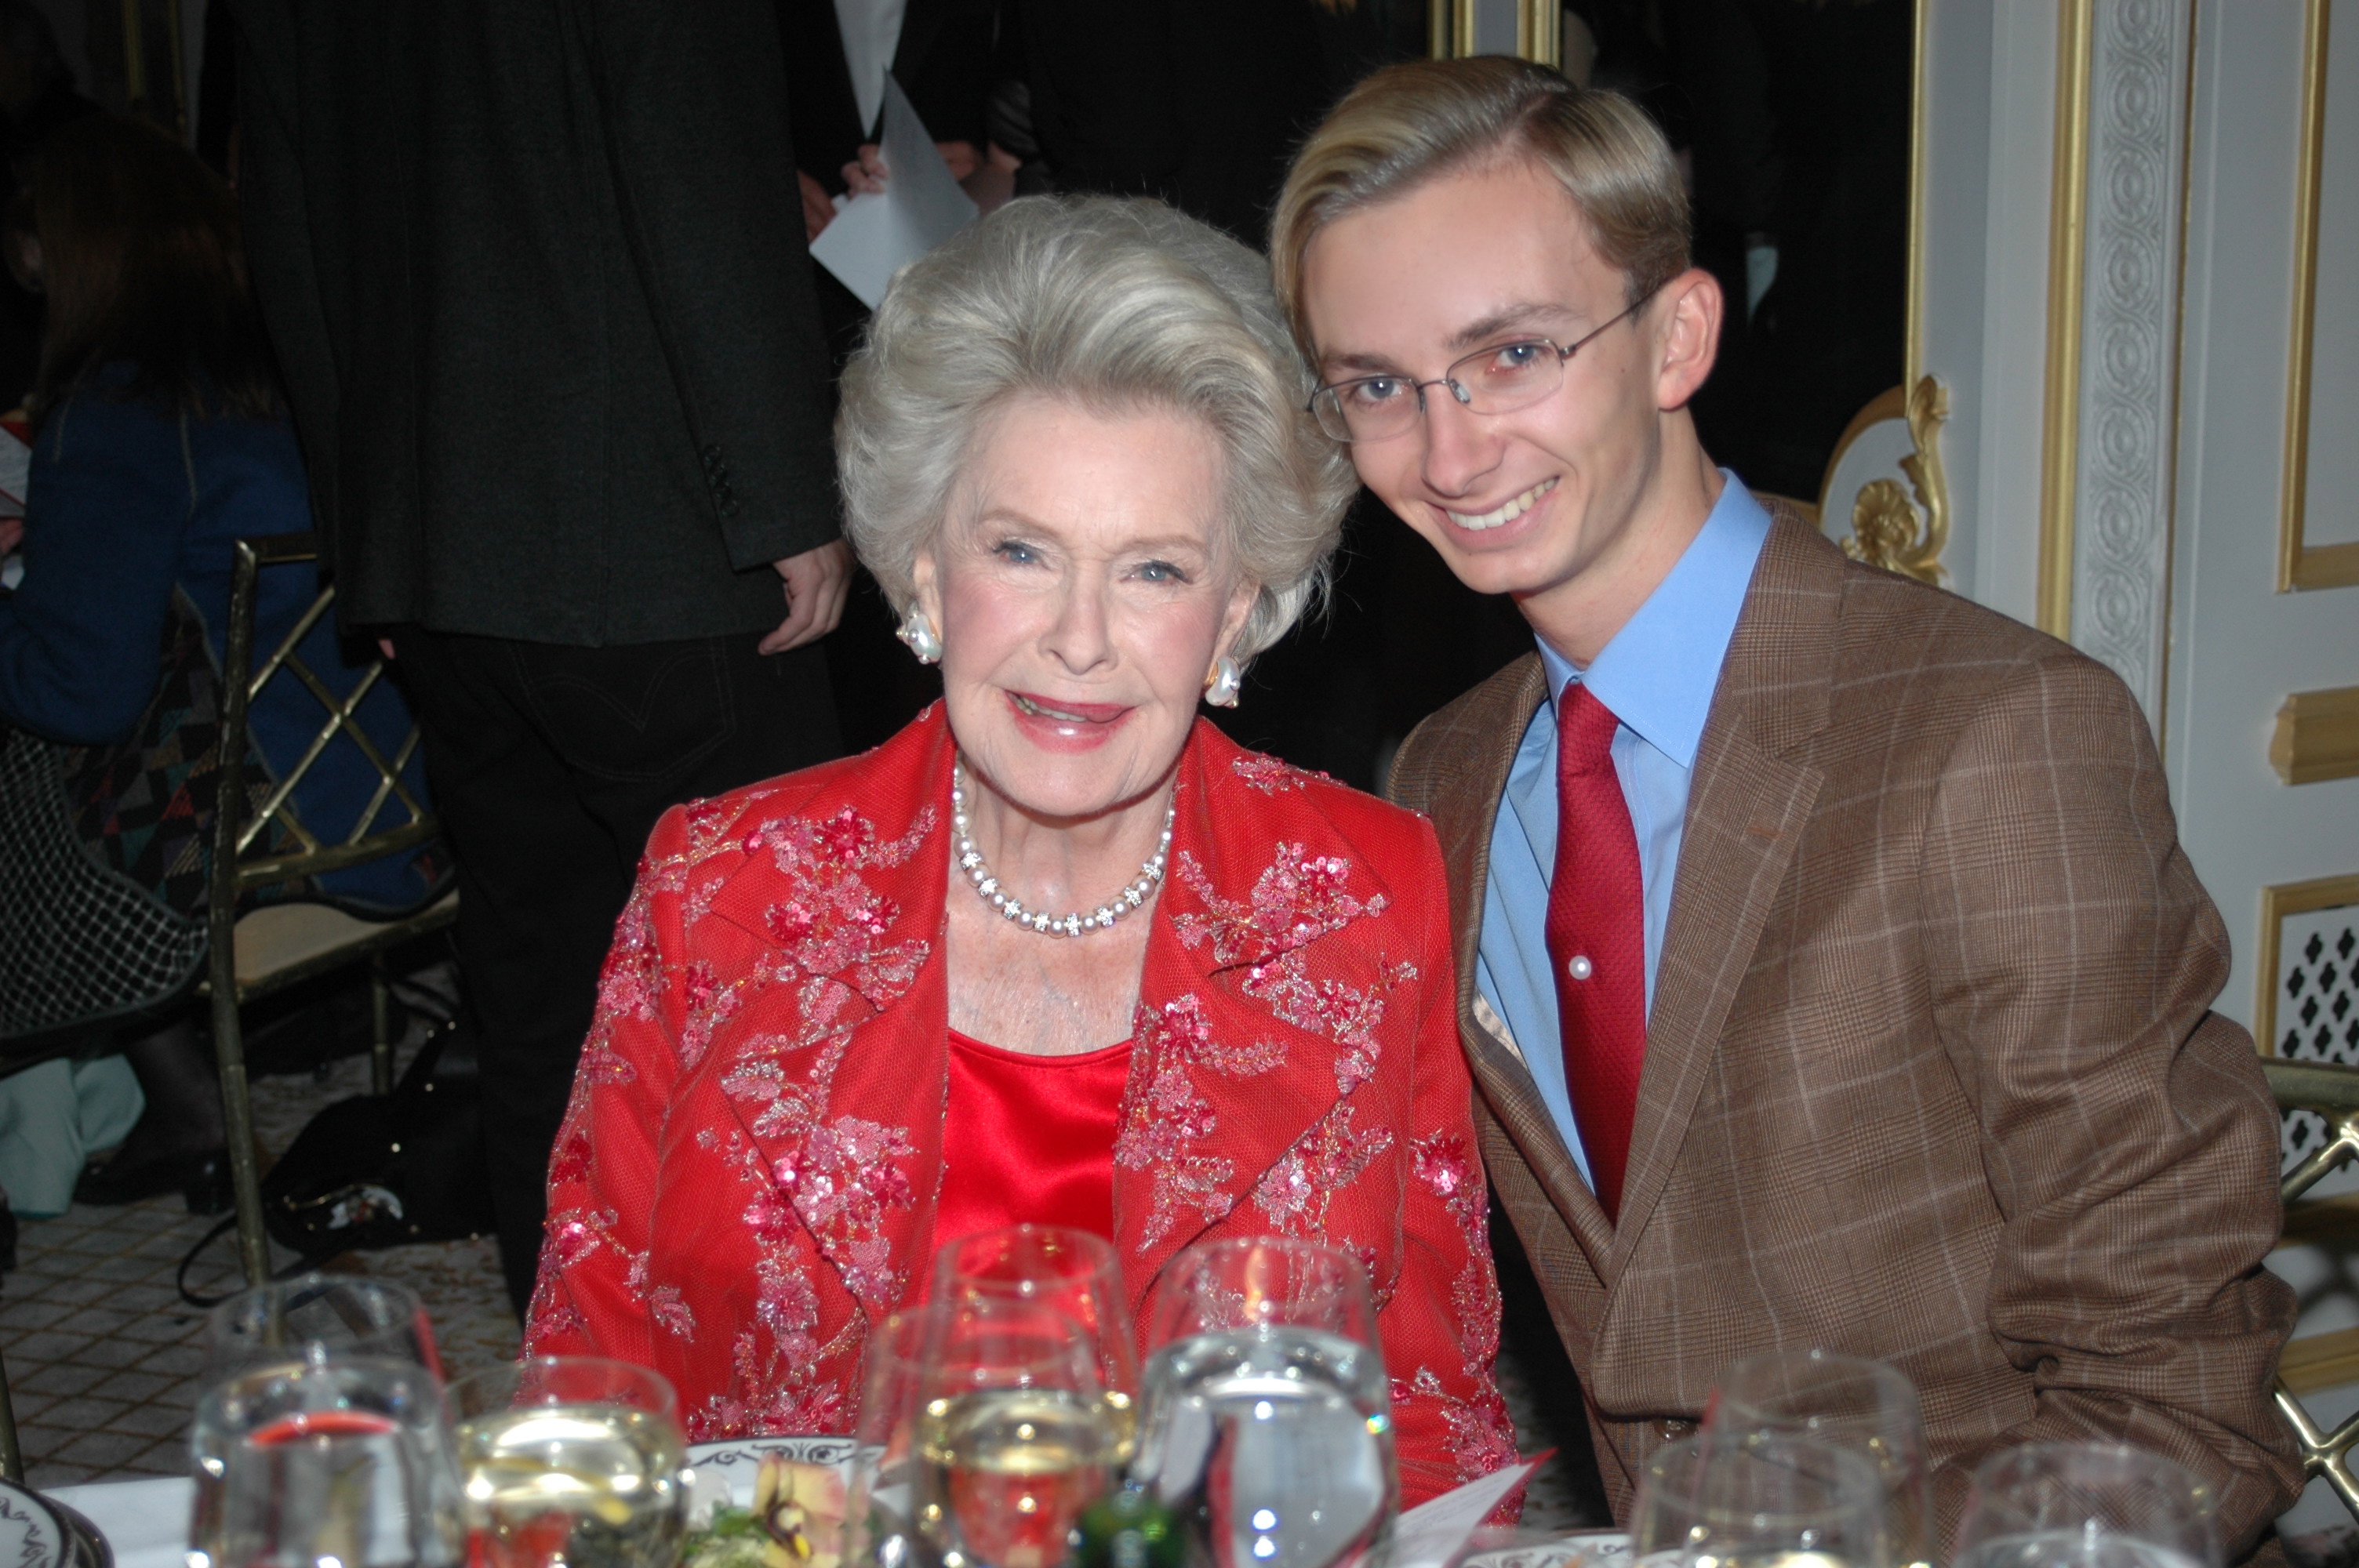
(237, 1118)
(380, 1027)
(12, 1462)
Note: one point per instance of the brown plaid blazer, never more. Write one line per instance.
(1930, 1076)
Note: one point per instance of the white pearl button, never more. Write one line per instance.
(1579, 966)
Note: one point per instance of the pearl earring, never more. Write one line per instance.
(1221, 685)
(918, 634)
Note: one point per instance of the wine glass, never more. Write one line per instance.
(1847, 1400)
(2085, 1505)
(315, 1318)
(1267, 1425)
(570, 1462)
(1072, 1270)
(343, 1463)
(1014, 1439)
(1776, 1501)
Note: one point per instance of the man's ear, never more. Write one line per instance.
(1691, 337)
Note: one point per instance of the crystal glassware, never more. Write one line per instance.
(1862, 1405)
(573, 1461)
(342, 1464)
(1266, 1424)
(2085, 1505)
(1071, 1270)
(314, 1318)
(1778, 1501)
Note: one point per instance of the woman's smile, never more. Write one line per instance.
(1064, 725)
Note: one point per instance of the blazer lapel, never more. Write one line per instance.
(1747, 805)
(1488, 734)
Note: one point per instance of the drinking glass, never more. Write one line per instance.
(1775, 1502)
(570, 1462)
(2075, 1504)
(338, 1465)
(1071, 1270)
(316, 1317)
(1852, 1402)
(1267, 1425)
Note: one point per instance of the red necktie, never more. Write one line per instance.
(1597, 940)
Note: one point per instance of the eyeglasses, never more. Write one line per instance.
(1496, 380)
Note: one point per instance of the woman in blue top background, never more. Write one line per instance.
(160, 439)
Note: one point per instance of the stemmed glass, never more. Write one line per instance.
(1070, 1270)
(1268, 1426)
(2075, 1504)
(303, 1465)
(983, 1436)
(1852, 1402)
(573, 1461)
(315, 1318)
(1790, 1502)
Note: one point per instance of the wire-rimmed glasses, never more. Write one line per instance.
(1496, 380)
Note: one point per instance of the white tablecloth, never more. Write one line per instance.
(146, 1522)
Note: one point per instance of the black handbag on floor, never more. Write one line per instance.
(379, 1170)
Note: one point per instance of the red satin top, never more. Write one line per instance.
(1029, 1140)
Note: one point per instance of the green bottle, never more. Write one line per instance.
(1128, 1529)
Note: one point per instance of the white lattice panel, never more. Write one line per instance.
(2318, 1004)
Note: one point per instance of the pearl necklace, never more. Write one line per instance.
(970, 860)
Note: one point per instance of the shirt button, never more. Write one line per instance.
(1579, 966)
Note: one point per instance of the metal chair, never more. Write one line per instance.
(2333, 1093)
(277, 946)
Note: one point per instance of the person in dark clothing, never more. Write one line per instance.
(37, 96)
(544, 307)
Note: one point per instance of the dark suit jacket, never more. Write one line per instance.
(944, 61)
(1930, 1075)
(537, 282)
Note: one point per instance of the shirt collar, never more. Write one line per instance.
(1658, 672)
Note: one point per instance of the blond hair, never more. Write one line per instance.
(1411, 123)
(1115, 304)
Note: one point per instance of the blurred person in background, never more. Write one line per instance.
(161, 439)
(538, 280)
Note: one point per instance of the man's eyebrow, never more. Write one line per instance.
(1504, 319)
(1507, 317)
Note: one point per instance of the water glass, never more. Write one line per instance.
(314, 1318)
(1267, 1423)
(570, 1462)
(1846, 1400)
(1071, 1270)
(340, 1464)
(1790, 1502)
(2076, 1504)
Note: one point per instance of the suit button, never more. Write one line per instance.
(1579, 966)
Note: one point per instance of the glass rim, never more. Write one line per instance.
(1094, 1253)
(514, 1374)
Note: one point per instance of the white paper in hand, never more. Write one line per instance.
(921, 205)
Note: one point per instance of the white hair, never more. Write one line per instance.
(1116, 304)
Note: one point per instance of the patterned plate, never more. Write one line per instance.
(90, 1549)
(32, 1534)
(724, 1471)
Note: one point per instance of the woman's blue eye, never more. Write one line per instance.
(1162, 571)
(1014, 551)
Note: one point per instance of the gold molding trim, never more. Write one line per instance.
(2321, 1361)
(2067, 231)
(1912, 339)
(1540, 32)
(1886, 529)
(2302, 566)
(2317, 736)
(2277, 903)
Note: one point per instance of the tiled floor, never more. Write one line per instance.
(103, 1357)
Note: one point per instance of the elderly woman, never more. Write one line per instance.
(1057, 952)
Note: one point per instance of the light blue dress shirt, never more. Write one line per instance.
(1657, 676)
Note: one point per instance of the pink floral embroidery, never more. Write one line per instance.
(1271, 777)
(1164, 1118)
(1297, 1191)
(1482, 1436)
(671, 1312)
(1299, 899)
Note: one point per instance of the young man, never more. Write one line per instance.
(1828, 964)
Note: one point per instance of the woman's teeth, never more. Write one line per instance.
(1508, 513)
(1041, 710)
